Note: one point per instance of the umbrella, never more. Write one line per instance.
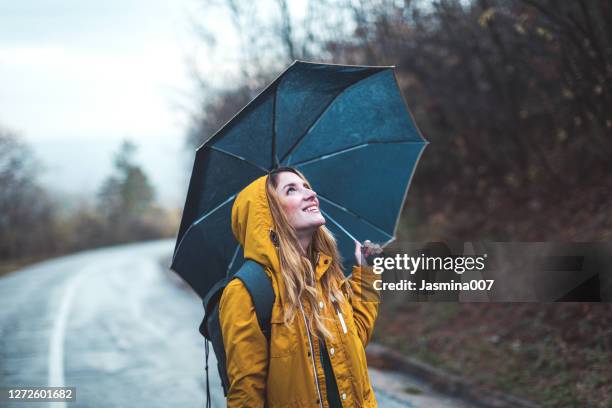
(346, 128)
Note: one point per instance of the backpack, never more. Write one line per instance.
(259, 286)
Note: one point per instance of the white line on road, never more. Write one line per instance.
(56, 342)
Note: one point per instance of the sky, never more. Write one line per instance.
(77, 77)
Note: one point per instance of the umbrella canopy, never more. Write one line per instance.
(346, 128)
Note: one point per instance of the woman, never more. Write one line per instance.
(321, 321)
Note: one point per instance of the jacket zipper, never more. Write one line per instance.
(314, 367)
(342, 323)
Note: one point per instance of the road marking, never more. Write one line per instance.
(56, 343)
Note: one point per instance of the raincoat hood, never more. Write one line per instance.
(252, 224)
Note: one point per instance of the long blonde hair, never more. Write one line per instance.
(297, 267)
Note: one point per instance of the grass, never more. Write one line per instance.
(558, 355)
(7, 267)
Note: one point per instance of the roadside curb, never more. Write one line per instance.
(380, 356)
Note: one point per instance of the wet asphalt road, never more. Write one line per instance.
(112, 323)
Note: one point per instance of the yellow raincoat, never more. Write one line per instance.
(289, 372)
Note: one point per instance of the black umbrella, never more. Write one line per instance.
(346, 128)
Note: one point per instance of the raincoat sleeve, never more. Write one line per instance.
(246, 347)
(365, 301)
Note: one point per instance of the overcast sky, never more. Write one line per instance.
(77, 77)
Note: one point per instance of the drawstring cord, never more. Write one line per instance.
(208, 400)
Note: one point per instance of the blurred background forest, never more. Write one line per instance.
(515, 98)
(36, 224)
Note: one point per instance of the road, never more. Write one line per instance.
(115, 324)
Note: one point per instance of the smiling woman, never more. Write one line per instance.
(300, 204)
(298, 221)
(319, 323)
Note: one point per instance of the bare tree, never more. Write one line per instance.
(26, 213)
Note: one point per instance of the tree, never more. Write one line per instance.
(126, 195)
(26, 213)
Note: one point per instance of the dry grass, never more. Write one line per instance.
(559, 355)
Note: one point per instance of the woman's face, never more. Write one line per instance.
(299, 202)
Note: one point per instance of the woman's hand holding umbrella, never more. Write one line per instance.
(365, 251)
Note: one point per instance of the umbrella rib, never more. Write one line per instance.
(409, 183)
(312, 125)
(274, 155)
(231, 264)
(348, 149)
(337, 224)
(199, 220)
(235, 156)
(202, 218)
(346, 210)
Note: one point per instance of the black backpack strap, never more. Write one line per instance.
(259, 285)
(210, 301)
